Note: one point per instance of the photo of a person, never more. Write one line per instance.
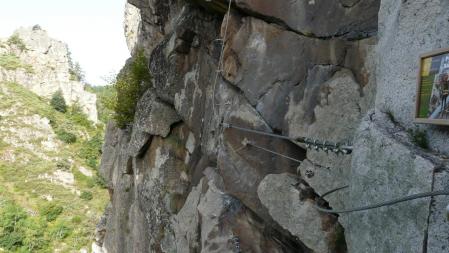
(443, 88)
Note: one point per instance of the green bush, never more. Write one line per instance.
(90, 182)
(65, 136)
(86, 195)
(11, 226)
(58, 102)
(19, 232)
(79, 117)
(131, 83)
(17, 41)
(100, 181)
(51, 211)
(60, 231)
(35, 238)
(91, 150)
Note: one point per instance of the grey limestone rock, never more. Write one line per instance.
(298, 68)
(312, 17)
(317, 231)
(386, 166)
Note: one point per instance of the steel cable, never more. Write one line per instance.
(310, 143)
(381, 204)
(220, 60)
(275, 153)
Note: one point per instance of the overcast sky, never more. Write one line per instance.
(93, 29)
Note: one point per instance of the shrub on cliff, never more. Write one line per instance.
(65, 136)
(77, 116)
(91, 150)
(131, 83)
(15, 40)
(58, 102)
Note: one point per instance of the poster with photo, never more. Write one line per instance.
(432, 105)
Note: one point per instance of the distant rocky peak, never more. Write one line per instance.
(44, 65)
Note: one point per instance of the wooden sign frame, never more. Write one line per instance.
(432, 101)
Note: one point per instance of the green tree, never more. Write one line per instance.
(76, 72)
(58, 102)
(131, 83)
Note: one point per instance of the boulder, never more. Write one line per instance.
(244, 166)
(320, 232)
(327, 107)
(385, 166)
(152, 117)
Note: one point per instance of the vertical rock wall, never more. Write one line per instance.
(386, 164)
(182, 182)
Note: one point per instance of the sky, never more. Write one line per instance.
(93, 30)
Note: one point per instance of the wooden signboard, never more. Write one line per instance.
(432, 99)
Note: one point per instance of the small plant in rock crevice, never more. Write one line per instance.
(391, 117)
(419, 138)
(133, 80)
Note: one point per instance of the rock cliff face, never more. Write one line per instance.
(44, 67)
(180, 181)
